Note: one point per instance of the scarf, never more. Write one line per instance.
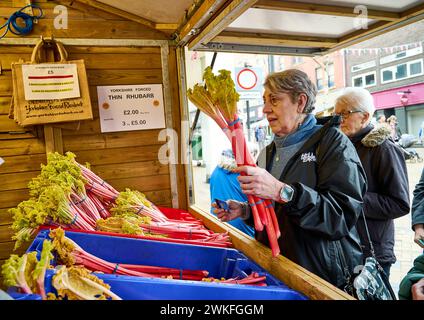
(306, 129)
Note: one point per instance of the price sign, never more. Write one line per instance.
(50, 81)
(132, 107)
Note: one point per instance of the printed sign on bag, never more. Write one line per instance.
(131, 107)
(50, 81)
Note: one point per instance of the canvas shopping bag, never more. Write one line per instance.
(62, 85)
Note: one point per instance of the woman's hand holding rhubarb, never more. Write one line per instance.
(259, 182)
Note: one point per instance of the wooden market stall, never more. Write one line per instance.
(142, 42)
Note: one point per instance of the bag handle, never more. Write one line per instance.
(60, 48)
(368, 235)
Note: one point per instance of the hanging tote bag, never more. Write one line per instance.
(50, 92)
(372, 282)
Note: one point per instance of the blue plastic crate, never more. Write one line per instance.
(220, 262)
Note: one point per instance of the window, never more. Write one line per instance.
(387, 75)
(330, 75)
(363, 66)
(402, 71)
(401, 55)
(364, 80)
(318, 75)
(415, 68)
(370, 80)
(358, 82)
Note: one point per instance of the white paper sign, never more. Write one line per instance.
(50, 81)
(249, 95)
(132, 107)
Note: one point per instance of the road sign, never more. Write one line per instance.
(249, 79)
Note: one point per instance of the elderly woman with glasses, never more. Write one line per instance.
(315, 178)
(387, 196)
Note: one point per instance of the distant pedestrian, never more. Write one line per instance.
(421, 133)
(381, 119)
(260, 136)
(387, 196)
(394, 127)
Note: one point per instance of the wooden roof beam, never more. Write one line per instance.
(127, 15)
(232, 10)
(313, 8)
(274, 39)
(196, 20)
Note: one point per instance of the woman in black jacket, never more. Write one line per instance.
(387, 196)
(315, 178)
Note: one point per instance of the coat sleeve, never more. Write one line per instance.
(333, 207)
(392, 200)
(418, 202)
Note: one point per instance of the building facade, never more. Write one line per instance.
(390, 66)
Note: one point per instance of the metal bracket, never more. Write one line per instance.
(194, 31)
(245, 48)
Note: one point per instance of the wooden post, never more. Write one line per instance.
(53, 139)
(52, 135)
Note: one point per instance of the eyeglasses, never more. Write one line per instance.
(345, 114)
(273, 99)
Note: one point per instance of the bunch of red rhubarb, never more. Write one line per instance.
(253, 279)
(218, 99)
(26, 272)
(70, 253)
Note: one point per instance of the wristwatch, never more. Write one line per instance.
(286, 193)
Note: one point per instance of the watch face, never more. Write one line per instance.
(286, 193)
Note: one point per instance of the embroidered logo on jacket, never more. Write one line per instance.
(308, 157)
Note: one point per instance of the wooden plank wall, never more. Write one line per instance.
(23, 152)
(124, 159)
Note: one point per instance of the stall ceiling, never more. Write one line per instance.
(388, 5)
(293, 23)
(302, 27)
(307, 27)
(158, 11)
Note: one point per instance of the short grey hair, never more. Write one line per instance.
(358, 98)
(293, 82)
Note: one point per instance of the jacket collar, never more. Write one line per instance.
(372, 136)
(327, 122)
(361, 133)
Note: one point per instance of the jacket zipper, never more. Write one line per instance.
(343, 262)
